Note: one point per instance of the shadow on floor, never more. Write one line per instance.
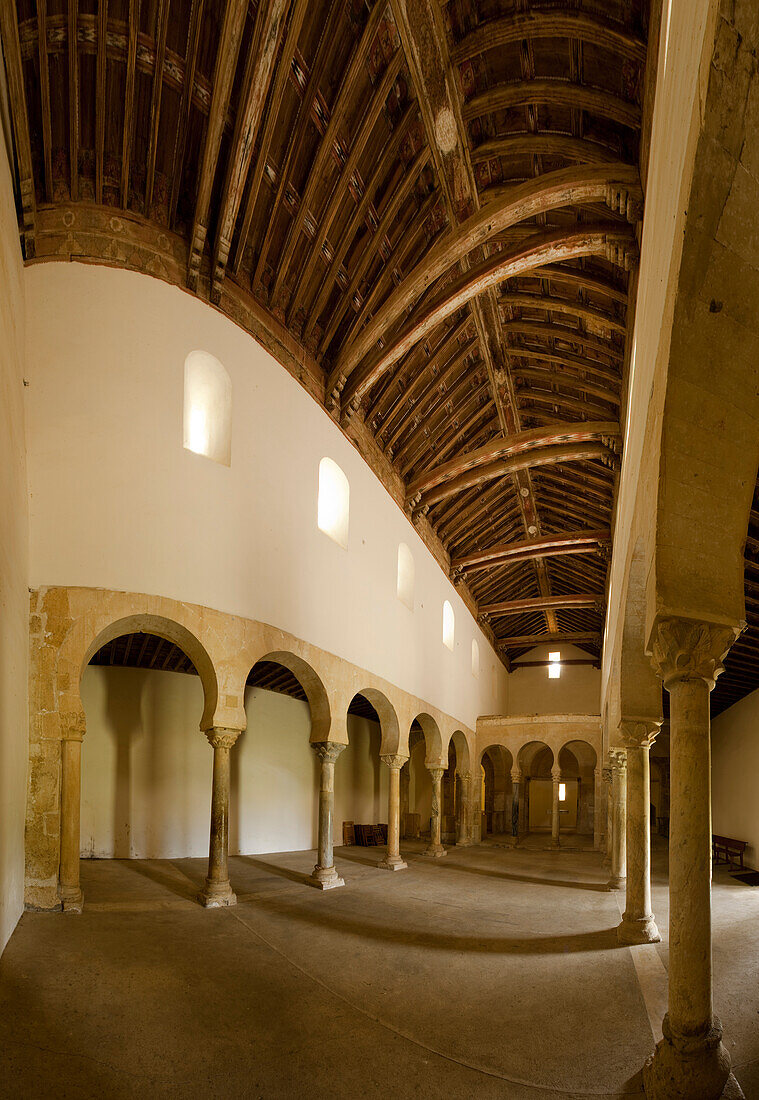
(467, 869)
(179, 884)
(276, 869)
(333, 920)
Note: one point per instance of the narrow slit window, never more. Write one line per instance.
(207, 407)
(334, 502)
(562, 792)
(449, 625)
(405, 588)
(475, 659)
(554, 665)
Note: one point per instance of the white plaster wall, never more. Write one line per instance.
(14, 564)
(118, 503)
(735, 774)
(577, 691)
(146, 771)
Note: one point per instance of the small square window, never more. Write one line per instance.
(554, 671)
(556, 656)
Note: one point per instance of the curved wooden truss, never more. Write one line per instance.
(427, 212)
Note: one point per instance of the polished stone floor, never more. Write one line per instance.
(490, 973)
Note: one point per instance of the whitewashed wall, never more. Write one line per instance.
(735, 774)
(14, 564)
(577, 691)
(118, 503)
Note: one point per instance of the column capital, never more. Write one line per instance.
(617, 760)
(464, 776)
(221, 737)
(556, 773)
(606, 775)
(328, 751)
(516, 775)
(394, 760)
(686, 649)
(638, 733)
(436, 773)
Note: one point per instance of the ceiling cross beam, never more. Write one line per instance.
(595, 601)
(574, 542)
(17, 96)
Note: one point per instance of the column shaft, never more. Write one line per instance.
(393, 860)
(324, 875)
(217, 891)
(638, 924)
(618, 821)
(71, 785)
(463, 830)
(555, 842)
(435, 848)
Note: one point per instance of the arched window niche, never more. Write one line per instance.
(405, 588)
(475, 659)
(333, 507)
(449, 625)
(207, 407)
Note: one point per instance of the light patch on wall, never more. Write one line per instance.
(554, 665)
(449, 625)
(405, 576)
(475, 659)
(207, 407)
(562, 792)
(334, 502)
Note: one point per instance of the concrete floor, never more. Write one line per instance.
(489, 973)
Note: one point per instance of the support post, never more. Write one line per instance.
(463, 839)
(217, 892)
(618, 761)
(638, 924)
(606, 775)
(516, 779)
(435, 850)
(324, 875)
(555, 776)
(69, 889)
(597, 807)
(393, 860)
(690, 1062)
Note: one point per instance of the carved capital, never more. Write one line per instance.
(327, 751)
(394, 760)
(516, 775)
(637, 733)
(686, 649)
(606, 775)
(465, 777)
(556, 773)
(618, 760)
(436, 773)
(219, 737)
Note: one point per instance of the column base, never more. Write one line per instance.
(325, 878)
(392, 863)
(466, 843)
(435, 851)
(616, 882)
(72, 899)
(632, 931)
(217, 895)
(555, 844)
(690, 1068)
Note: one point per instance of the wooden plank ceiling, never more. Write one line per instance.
(426, 210)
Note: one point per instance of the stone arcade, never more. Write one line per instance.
(378, 479)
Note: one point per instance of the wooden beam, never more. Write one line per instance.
(129, 100)
(567, 377)
(511, 146)
(552, 304)
(162, 24)
(566, 187)
(47, 140)
(281, 77)
(494, 34)
(584, 280)
(529, 641)
(190, 65)
(101, 104)
(259, 69)
(17, 96)
(553, 93)
(73, 57)
(525, 460)
(611, 241)
(548, 331)
(230, 40)
(594, 600)
(574, 542)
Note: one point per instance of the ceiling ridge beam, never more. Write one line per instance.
(259, 70)
(617, 185)
(511, 29)
(225, 66)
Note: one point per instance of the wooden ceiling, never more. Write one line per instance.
(427, 211)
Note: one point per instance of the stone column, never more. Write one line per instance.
(393, 860)
(556, 776)
(618, 762)
(217, 891)
(463, 839)
(597, 808)
(690, 1062)
(475, 806)
(516, 779)
(638, 924)
(69, 889)
(606, 775)
(324, 876)
(435, 849)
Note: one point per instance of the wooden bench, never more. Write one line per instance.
(727, 850)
